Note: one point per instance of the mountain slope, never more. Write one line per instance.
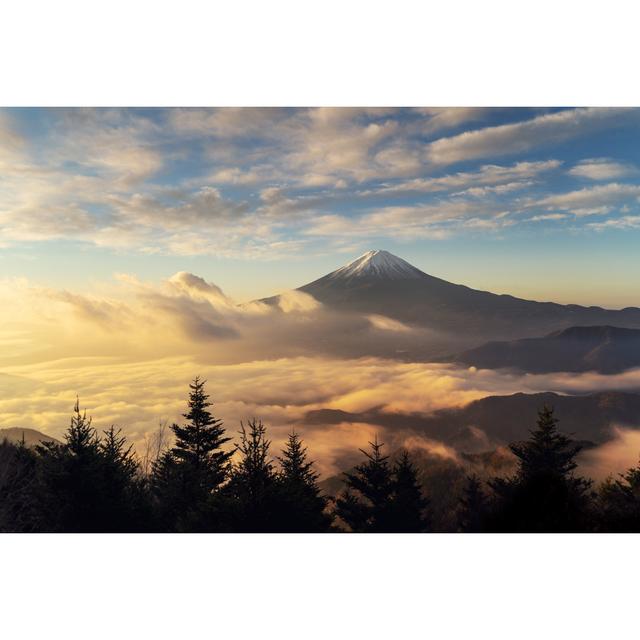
(381, 283)
(497, 420)
(604, 349)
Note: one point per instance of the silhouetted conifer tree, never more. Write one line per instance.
(473, 506)
(408, 504)
(70, 481)
(199, 441)
(302, 507)
(544, 495)
(17, 476)
(124, 503)
(186, 476)
(619, 503)
(253, 488)
(365, 506)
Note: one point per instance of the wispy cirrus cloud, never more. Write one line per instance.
(255, 182)
(518, 137)
(624, 222)
(486, 175)
(597, 200)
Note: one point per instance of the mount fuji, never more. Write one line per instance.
(381, 283)
(377, 264)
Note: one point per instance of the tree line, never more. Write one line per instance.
(94, 482)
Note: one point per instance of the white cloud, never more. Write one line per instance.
(236, 175)
(204, 207)
(522, 136)
(435, 221)
(450, 117)
(601, 169)
(387, 324)
(499, 189)
(300, 301)
(549, 216)
(597, 200)
(271, 180)
(624, 222)
(489, 174)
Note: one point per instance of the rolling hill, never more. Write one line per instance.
(495, 421)
(31, 436)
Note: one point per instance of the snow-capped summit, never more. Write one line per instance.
(380, 264)
(381, 284)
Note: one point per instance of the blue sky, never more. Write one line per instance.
(541, 203)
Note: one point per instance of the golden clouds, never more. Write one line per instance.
(130, 354)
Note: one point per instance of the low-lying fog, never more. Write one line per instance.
(130, 349)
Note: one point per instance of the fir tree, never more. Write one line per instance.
(186, 476)
(619, 503)
(199, 441)
(253, 486)
(408, 504)
(124, 503)
(303, 507)
(365, 506)
(17, 476)
(117, 456)
(70, 481)
(547, 451)
(544, 495)
(473, 506)
(81, 438)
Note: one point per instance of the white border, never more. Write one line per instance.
(319, 587)
(334, 52)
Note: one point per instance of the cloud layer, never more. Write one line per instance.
(130, 356)
(260, 182)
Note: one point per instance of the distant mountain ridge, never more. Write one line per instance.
(383, 284)
(498, 420)
(604, 349)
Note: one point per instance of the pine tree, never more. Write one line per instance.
(408, 504)
(547, 450)
(70, 482)
(365, 506)
(117, 455)
(186, 476)
(170, 493)
(124, 503)
(81, 438)
(544, 495)
(199, 442)
(473, 506)
(253, 487)
(303, 507)
(17, 476)
(619, 503)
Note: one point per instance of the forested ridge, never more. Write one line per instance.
(207, 481)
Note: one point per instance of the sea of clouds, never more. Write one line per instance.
(130, 348)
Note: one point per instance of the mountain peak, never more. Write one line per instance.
(379, 264)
